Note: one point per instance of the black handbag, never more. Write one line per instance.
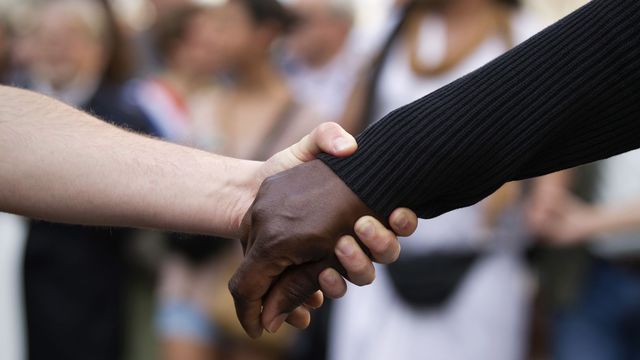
(430, 280)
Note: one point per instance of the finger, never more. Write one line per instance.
(357, 264)
(292, 289)
(381, 242)
(248, 286)
(300, 318)
(315, 301)
(328, 137)
(403, 221)
(332, 283)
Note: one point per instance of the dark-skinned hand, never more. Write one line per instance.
(300, 225)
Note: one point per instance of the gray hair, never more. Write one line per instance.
(91, 14)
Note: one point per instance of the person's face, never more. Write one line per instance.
(66, 49)
(318, 32)
(238, 40)
(196, 50)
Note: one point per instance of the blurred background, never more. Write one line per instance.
(543, 269)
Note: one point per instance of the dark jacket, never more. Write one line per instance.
(74, 275)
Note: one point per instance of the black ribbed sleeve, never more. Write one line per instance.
(568, 96)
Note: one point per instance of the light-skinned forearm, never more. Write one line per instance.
(60, 164)
(616, 218)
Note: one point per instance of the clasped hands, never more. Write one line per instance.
(305, 232)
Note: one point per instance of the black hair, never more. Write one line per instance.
(120, 60)
(172, 28)
(270, 11)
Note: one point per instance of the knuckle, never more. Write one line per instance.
(237, 290)
(394, 256)
(233, 288)
(327, 127)
(383, 244)
(259, 212)
(294, 295)
(297, 288)
(360, 266)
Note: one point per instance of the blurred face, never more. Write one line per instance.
(320, 34)
(66, 50)
(238, 40)
(197, 48)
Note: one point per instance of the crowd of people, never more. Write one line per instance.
(247, 78)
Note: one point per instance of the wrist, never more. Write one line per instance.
(596, 221)
(241, 189)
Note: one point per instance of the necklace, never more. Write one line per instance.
(497, 22)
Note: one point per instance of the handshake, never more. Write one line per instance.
(304, 233)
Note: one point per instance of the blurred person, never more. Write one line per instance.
(74, 276)
(23, 43)
(459, 289)
(183, 39)
(254, 110)
(251, 114)
(148, 58)
(321, 62)
(602, 319)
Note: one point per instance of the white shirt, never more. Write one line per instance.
(486, 319)
(327, 89)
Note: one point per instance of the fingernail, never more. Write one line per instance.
(276, 323)
(341, 144)
(403, 222)
(345, 247)
(366, 229)
(331, 279)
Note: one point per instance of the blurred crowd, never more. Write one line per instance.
(545, 268)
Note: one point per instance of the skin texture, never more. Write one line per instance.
(60, 164)
(281, 267)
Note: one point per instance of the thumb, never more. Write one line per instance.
(330, 138)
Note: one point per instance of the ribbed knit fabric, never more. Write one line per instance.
(568, 96)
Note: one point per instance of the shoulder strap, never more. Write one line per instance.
(287, 115)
